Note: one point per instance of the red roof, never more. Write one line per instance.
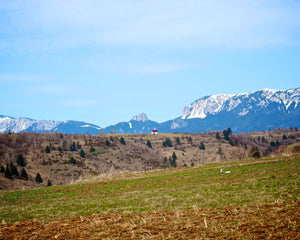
(154, 131)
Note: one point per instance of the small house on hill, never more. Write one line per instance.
(154, 131)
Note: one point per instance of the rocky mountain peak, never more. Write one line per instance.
(141, 117)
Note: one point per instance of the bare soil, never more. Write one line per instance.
(270, 221)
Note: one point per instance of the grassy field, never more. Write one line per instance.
(253, 182)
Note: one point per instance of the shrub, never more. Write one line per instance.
(47, 149)
(149, 144)
(59, 149)
(107, 142)
(2, 169)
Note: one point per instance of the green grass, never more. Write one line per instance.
(250, 182)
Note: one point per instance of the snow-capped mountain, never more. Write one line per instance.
(18, 125)
(244, 103)
(245, 112)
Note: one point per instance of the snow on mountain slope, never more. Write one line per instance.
(18, 125)
(212, 105)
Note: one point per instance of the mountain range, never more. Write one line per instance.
(256, 111)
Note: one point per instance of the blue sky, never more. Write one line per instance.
(104, 61)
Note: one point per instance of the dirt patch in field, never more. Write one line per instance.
(270, 221)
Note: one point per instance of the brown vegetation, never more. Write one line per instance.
(58, 157)
(268, 221)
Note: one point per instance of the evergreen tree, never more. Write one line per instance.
(78, 145)
(20, 160)
(172, 162)
(49, 183)
(47, 149)
(201, 146)
(174, 157)
(7, 172)
(177, 140)
(73, 147)
(190, 139)
(92, 149)
(59, 149)
(72, 160)
(165, 160)
(24, 173)
(2, 169)
(122, 141)
(218, 136)
(284, 137)
(107, 142)
(13, 170)
(167, 143)
(82, 153)
(149, 144)
(38, 178)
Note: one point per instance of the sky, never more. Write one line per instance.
(103, 62)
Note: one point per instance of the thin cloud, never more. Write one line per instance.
(22, 77)
(232, 23)
(80, 103)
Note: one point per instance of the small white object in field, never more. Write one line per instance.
(221, 170)
(228, 172)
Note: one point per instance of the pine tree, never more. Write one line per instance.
(13, 170)
(174, 157)
(2, 169)
(167, 143)
(20, 160)
(107, 142)
(92, 149)
(78, 145)
(201, 146)
(24, 174)
(217, 135)
(122, 141)
(73, 147)
(7, 172)
(149, 144)
(177, 140)
(49, 183)
(82, 153)
(47, 149)
(38, 178)
(72, 160)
